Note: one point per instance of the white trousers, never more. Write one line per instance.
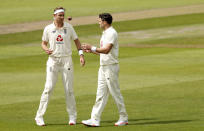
(108, 83)
(55, 65)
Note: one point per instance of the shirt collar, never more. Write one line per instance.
(107, 29)
(64, 26)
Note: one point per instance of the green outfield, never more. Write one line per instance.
(17, 11)
(161, 69)
(162, 86)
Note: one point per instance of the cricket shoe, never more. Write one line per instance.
(121, 123)
(91, 123)
(72, 122)
(39, 121)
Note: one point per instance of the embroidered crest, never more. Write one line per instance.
(65, 31)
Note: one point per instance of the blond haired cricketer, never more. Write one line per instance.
(56, 42)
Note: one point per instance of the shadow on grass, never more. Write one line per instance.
(131, 122)
(57, 124)
(162, 122)
(149, 122)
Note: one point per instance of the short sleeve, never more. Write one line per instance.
(45, 35)
(110, 38)
(73, 34)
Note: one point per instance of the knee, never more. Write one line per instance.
(99, 99)
(47, 90)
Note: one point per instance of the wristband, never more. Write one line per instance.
(93, 49)
(81, 52)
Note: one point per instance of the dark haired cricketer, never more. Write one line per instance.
(107, 74)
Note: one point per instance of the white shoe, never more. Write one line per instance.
(72, 122)
(121, 123)
(91, 122)
(39, 121)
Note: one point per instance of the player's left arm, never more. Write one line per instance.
(104, 50)
(78, 46)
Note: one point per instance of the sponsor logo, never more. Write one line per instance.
(59, 39)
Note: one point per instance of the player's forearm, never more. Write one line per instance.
(78, 44)
(79, 48)
(102, 50)
(96, 53)
(44, 46)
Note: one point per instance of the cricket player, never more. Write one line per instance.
(107, 74)
(59, 35)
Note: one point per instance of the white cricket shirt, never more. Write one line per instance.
(109, 36)
(59, 39)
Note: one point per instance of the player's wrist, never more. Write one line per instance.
(93, 48)
(81, 53)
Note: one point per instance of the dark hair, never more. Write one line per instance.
(106, 17)
(57, 8)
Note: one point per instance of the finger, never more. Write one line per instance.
(83, 63)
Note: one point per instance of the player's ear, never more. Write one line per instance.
(54, 16)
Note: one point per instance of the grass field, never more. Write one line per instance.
(161, 68)
(17, 11)
(162, 86)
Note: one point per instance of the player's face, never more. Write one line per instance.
(101, 23)
(59, 17)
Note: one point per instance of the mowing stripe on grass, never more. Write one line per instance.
(86, 30)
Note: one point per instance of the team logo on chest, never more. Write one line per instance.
(59, 39)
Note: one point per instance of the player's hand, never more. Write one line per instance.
(87, 51)
(82, 60)
(86, 46)
(48, 51)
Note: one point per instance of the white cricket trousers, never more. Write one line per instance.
(65, 66)
(108, 83)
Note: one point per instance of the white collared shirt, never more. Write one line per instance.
(109, 36)
(59, 39)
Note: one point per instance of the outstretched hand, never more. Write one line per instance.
(86, 48)
(87, 51)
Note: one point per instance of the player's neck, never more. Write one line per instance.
(106, 27)
(58, 24)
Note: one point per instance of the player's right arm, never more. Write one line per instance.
(45, 40)
(45, 48)
(89, 51)
(104, 50)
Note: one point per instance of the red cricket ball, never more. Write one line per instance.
(69, 18)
